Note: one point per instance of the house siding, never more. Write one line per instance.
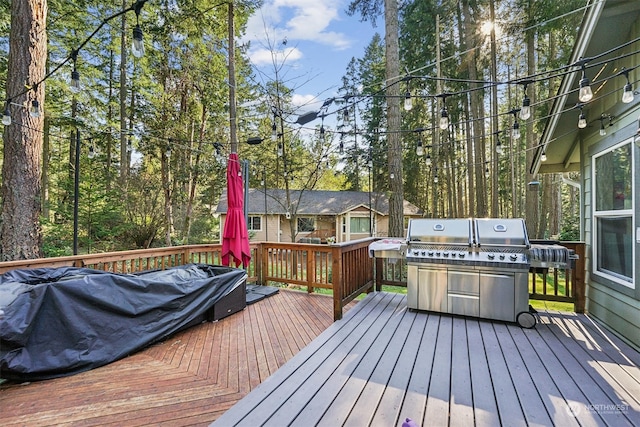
(614, 305)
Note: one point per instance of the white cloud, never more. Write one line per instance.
(264, 56)
(300, 100)
(297, 20)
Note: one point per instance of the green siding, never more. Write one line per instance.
(619, 312)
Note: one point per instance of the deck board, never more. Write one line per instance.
(190, 378)
(383, 363)
(283, 362)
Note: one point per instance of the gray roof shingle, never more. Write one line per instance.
(314, 202)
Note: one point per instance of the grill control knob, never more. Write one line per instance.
(491, 256)
(445, 254)
(461, 254)
(501, 256)
(424, 253)
(437, 253)
(513, 257)
(430, 253)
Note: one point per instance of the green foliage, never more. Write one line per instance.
(570, 229)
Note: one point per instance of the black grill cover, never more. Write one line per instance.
(61, 321)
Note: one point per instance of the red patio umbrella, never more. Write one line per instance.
(235, 238)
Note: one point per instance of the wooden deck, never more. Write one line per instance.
(383, 363)
(190, 379)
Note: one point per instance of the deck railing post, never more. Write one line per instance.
(579, 277)
(336, 281)
(379, 269)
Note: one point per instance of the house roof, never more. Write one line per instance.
(315, 202)
(605, 26)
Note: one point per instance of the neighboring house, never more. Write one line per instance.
(316, 214)
(607, 155)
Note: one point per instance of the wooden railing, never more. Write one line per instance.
(549, 284)
(138, 260)
(345, 268)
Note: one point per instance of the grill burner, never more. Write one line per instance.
(473, 267)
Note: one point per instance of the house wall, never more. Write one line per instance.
(615, 305)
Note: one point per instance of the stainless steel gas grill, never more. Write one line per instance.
(470, 267)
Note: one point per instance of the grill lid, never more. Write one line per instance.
(453, 231)
(501, 232)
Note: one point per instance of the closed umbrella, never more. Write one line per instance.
(235, 238)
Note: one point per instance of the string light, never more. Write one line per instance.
(408, 102)
(34, 111)
(525, 111)
(420, 148)
(582, 120)
(515, 130)
(443, 123)
(137, 45)
(75, 75)
(627, 93)
(499, 149)
(585, 93)
(543, 156)
(6, 115)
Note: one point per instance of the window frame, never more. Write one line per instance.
(312, 222)
(360, 218)
(250, 224)
(598, 215)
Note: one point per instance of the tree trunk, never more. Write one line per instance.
(21, 169)
(233, 137)
(532, 198)
(476, 112)
(124, 164)
(392, 69)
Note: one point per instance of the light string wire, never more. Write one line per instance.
(137, 6)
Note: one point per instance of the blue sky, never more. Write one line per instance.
(314, 39)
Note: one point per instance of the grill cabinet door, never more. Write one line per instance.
(497, 295)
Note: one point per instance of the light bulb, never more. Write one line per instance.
(582, 121)
(603, 131)
(137, 46)
(515, 132)
(585, 94)
(543, 157)
(92, 152)
(420, 150)
(486, 173)
(274, 132)
(435, 179)
(444, 119)
(499, 149)
(75, 81)
(34, 111)
(280, 151)
(408, 102)
(392, 175)
(525, 111)
(428, 159)
(627, 95)
(6, 117)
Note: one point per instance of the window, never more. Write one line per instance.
(254, 223)
(613, 213)
(306, 224)
(360, 224)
